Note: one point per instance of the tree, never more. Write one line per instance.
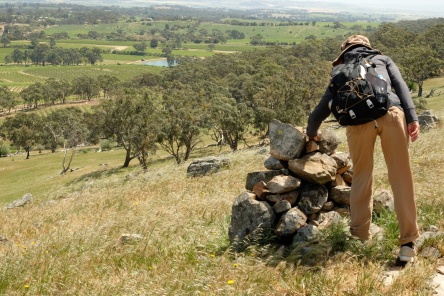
(419, 63)
(17, 56)
(181, 119)
(86, 86)
(8, 99)
(154, 43)
(71, 125)
(33, 94)
(231, 119)
(129, 119)
(141, 47)
(23, 130)
(109, 84)
(5, 41)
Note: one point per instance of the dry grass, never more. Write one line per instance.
(70, 245)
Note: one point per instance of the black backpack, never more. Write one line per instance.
(359, 95)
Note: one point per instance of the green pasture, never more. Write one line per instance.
(41, 171)
(20, 76)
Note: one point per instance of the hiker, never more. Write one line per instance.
(394, 129)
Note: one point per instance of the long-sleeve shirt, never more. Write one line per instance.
(398, 92)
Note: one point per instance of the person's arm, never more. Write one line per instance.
(402, 91)
(319, 114)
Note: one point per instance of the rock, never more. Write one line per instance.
(206, 166)
(291, 197)
(290, 222)
(430, 252)
(282, 184)
(286, 141)
(3, 239)
(328, 206)
(343, 161)
(428, 235)
(314, 167)
(348, 176)
(340, 195)
(427, 119)
(383, 201)
(254, 177)
(328, 142)
(249, 218)
(272, 163)
(339, 181)
(343, 211)
(27, 198)
(312, 198)
(326, 219)
(305, 233)
(261, 191)
(281, 206)
(129, 238)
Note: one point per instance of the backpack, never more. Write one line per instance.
(359, 95)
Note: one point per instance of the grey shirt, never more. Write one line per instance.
(398, 92)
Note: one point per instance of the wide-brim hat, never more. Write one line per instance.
(351, 41)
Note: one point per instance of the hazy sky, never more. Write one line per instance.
(422, 5)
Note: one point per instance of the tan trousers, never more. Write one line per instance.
(392, 130)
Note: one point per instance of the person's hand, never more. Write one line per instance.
(312, 143)
(413, 129)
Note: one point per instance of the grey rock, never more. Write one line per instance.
(286, 141)
(326, 219)
(130, 238)
(27, 198)
(249, 218)
(282, 184)
(291, 197)
(290, 222)
(328, 142)
(305, 233)
(314, 167)
(281, 206)
(427, 236)
(206, 166)
(430, 252)
(383, 201)
(312, 198)
(340, 195)
(427, 119)
(342, 160)
(328, 206)
(272, 163)
(254, 177)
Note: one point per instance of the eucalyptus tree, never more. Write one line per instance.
(230, 119)
(108, 84)
(8, 98)
(181, 120)
(418, 63)
(23, 130)
(34, 94)
(86, 86)
(130, 120)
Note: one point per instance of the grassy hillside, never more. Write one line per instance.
(67, 241)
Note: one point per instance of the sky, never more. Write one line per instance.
(429, 5)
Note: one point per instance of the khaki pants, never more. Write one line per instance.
(392, 130)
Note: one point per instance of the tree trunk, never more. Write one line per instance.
(420, 89)
(127, 158)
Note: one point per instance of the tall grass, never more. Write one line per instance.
(67, 242)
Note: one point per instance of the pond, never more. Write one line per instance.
(159, 63)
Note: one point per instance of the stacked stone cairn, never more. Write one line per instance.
(299, 194)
